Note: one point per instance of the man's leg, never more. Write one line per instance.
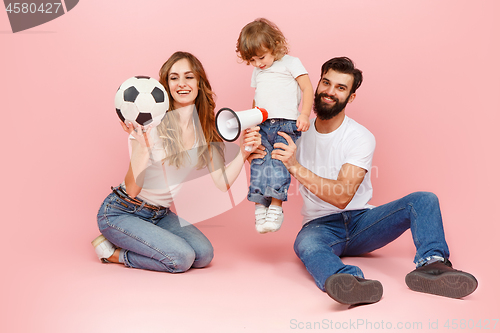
(374, 228)
(421, 213)
(319, 245)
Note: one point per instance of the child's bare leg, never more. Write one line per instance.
(276, 202)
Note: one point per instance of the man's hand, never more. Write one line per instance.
(338, 192)
(285, 152)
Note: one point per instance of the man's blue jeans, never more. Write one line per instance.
(269, 177)
(321, 242)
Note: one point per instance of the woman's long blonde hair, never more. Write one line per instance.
(204, 122)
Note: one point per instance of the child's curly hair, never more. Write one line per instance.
(259, 35)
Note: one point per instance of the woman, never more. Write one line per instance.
(138, 229)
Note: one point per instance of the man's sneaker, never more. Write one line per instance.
(260, 217)
(349, 289)
(103, 248)
(440, 278)
(274, 219)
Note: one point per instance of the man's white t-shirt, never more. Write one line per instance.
(276, 88)
(324, 154)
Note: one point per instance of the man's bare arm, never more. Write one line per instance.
(337, 192)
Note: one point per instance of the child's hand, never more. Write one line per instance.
(302, 123)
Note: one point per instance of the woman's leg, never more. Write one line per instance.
(144, 244)
(204, 252)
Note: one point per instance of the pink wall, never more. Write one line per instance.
(430, 96)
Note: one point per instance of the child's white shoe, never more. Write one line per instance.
(103, 248)
(260, 217)
(274, 219)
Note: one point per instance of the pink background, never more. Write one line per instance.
(430, 96)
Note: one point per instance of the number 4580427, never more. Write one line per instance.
(485, 324)
(25, 8)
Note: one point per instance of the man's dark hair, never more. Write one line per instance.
(344, 65)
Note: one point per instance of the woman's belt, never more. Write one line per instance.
(124, 196)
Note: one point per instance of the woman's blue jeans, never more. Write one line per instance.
(269, 177)
(152, 239)
(321, 242)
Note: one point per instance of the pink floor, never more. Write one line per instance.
(254, 284)
(430, 97)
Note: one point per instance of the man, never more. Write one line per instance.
(332, 162)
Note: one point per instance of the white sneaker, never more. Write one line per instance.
(103, 248)
(260, 217)
(274, 219)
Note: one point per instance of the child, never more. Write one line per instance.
(278, 80)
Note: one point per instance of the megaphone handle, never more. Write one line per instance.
(248, 148)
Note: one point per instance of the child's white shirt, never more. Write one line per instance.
(276, 88)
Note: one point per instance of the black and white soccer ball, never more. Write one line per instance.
(143, 100)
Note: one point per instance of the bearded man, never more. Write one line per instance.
(333, 162)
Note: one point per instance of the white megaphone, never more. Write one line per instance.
(229, 123)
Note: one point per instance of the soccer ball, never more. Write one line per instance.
(143, 100)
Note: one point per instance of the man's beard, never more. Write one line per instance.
(323, 110)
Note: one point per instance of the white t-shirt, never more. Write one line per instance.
(157, 175)
(276, 89)
(324, 154)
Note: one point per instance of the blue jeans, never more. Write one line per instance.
(152, 239)
(269, 178)
(321, 242)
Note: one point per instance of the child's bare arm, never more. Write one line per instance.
(307, 101)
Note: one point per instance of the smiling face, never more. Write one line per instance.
(263, 60)
(333, 94)
(182, 83)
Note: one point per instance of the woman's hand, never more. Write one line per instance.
(140, 133)
(139, 157)
(225, 177)
(250, 141)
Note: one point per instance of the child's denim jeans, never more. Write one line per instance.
(269, 178)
